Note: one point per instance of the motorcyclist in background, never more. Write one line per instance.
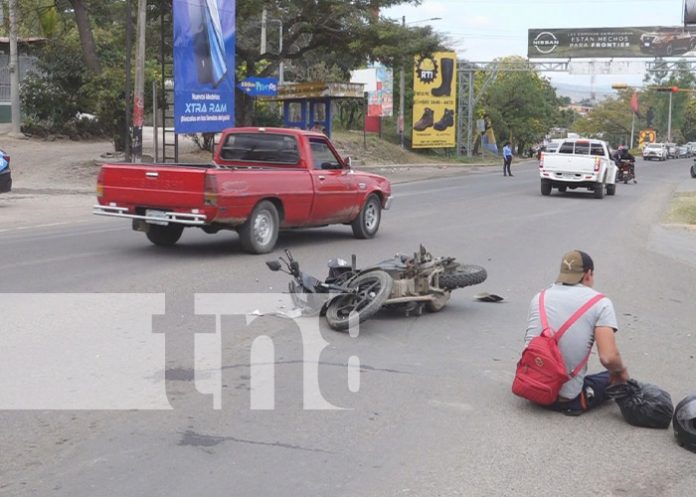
(622, 154)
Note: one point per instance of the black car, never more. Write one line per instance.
(5, 173)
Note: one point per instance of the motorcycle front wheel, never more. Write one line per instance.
(462, 276)
(369, 292)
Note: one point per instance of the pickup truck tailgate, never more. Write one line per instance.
(166, 186)
(567, 162)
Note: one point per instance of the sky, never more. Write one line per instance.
(482, 30)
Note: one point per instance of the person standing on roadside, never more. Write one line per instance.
(507, 159)
(572, 294)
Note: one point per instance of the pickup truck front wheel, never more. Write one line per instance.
(367, 222)
(164, 236)
(259, 234)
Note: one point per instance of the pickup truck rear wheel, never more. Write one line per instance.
(367, 222)
(611, 189)
(164, 236)
(545, 187)
(599, 190)
(259, 234)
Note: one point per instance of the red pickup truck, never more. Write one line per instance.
(261, 180)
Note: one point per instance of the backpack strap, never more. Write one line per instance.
(564, 327)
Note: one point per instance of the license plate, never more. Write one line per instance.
(151, 213)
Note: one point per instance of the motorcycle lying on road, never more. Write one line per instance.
(626, 171)
(405, 283)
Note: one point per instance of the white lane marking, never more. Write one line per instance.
(36, 226)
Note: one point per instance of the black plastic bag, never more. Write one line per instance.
(643, 404)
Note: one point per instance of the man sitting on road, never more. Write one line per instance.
(573, 289)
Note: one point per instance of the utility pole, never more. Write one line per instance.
(128, 132)
(402, 90)
(264, 16)
(14, 71)
(139, 93)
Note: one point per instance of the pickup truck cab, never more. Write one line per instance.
(5, 173)
(261, 180)
(579, 163)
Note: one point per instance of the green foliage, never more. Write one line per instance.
(609, 120)
(522, 105)
(52, 96)
(689, 125)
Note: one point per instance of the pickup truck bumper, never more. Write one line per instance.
(568, 178)
(153, 216)
(388, 202)
(5, 181)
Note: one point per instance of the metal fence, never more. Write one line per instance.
(27, 63)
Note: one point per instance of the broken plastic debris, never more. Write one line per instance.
(488, 297)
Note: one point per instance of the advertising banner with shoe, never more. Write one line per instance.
(435, 101)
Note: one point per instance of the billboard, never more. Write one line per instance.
(646, 41)
(378, 81)
(435, 101)
(689, 11)
(204, 65)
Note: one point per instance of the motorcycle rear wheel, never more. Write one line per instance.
(372, 291)
(465, 275)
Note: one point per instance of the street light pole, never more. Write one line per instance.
(669, 119)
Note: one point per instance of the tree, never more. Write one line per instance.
(522, 105)
(338, 33)
(689, 125)
(609, 120)
(89, 47)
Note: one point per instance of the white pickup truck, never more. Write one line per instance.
(579, 163)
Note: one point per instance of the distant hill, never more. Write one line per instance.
(576, 93)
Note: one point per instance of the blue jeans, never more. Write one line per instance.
(593, 394)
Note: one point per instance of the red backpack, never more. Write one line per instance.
(541, 371)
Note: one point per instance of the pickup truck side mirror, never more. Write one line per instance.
(348, 162)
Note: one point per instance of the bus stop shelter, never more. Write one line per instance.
(308, 105)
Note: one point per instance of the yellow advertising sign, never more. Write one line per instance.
(435, 101)
(646, 136)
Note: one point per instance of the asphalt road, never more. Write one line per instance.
(433, 415)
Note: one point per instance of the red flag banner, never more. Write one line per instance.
(634, 103)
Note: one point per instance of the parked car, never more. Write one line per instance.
(683, 152)
(5, 173)
(656, 151)
(667, 41)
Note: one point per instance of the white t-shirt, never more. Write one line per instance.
(561, 302)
